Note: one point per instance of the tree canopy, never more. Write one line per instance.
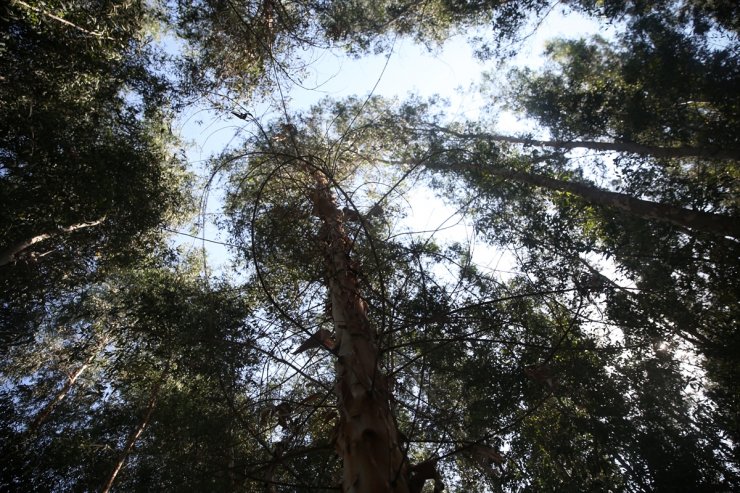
(340, 349)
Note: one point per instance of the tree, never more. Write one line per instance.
(659, 88)
(367, 437)
(718, 224)
(173, 354)
(88, 173)
(348, 352)
(441, 336)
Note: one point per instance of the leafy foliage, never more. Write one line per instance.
(84, 142)
(604, 358)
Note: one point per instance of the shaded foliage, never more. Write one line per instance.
(604, 357)
(83, 139)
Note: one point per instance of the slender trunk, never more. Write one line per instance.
(60, 20)
(626, 147)
(367, 438)
(233, 479)
(42, 416)
(9, 253)
(270, 486)
(136, 433)
(702, 221)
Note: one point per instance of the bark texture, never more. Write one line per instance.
(367, 438)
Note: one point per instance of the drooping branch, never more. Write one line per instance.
(688, 218)
(9, 253)
(367, 438)
(623, 147)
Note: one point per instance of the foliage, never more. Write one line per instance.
(142, 327)
(84, 140)
(660, 87)
(604, 358)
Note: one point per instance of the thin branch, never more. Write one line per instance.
(626, 147)
(136, 433)
(96, 34)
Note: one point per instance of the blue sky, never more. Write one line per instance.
(451, 72)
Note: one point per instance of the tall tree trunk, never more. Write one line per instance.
(702, 221)
(625, 147)
(9, 253)
(136, 433)
(367, 438)
(43, 415)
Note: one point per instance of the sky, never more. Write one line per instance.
(451, 72)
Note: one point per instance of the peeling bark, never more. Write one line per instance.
(9, 253)
(367, 437)
(698, 220)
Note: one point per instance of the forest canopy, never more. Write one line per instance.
(584, 337)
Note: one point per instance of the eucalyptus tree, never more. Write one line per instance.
(238, 50)
(88, 173)
(344, 336)
(489, 383)
(659, 88)
(666, 87)
(680, 280)
(290, 176)
(140, 387)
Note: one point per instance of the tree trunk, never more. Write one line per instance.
(42, 416)
(702, 221)
(367, 438)
(136, 434)
(9, 253)
(625, 147)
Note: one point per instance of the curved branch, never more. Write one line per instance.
(9, 253)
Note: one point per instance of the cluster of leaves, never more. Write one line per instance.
(86, 163)
(144, 335)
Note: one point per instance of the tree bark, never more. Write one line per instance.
(367, 438)
(42, 416)
(136, 433)
(701, 221)
(9, 253)
(625, 147)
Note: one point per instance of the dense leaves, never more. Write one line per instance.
(601, 355)
(87, 171)
(661, 88)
